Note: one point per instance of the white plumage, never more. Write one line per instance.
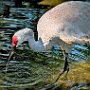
(64, 25)
(69, 22)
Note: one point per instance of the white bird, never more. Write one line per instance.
(63, 25)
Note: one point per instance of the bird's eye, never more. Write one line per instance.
(14, 41)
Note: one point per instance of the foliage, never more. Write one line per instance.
(51, 2)
(79, 74)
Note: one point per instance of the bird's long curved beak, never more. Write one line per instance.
(11, 53)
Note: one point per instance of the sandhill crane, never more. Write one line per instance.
(64, 25)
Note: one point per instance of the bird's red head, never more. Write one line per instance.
(14, 41)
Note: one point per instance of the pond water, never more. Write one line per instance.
(28, 69)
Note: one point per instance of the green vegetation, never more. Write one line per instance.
(79, 73)
(51, 2)
(33, 71)
(40, 70)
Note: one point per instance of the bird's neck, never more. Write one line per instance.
(36, 46)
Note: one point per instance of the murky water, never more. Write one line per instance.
(29, 68)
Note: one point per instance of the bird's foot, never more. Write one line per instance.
(65, 68)
(63, 71)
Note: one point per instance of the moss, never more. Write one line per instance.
(51, 2)
(40, 70)
(80, 73)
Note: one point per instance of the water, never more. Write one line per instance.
(28, 69)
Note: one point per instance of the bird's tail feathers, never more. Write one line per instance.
(82, 40)
(85, 39)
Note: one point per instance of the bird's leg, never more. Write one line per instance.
(66, 66)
